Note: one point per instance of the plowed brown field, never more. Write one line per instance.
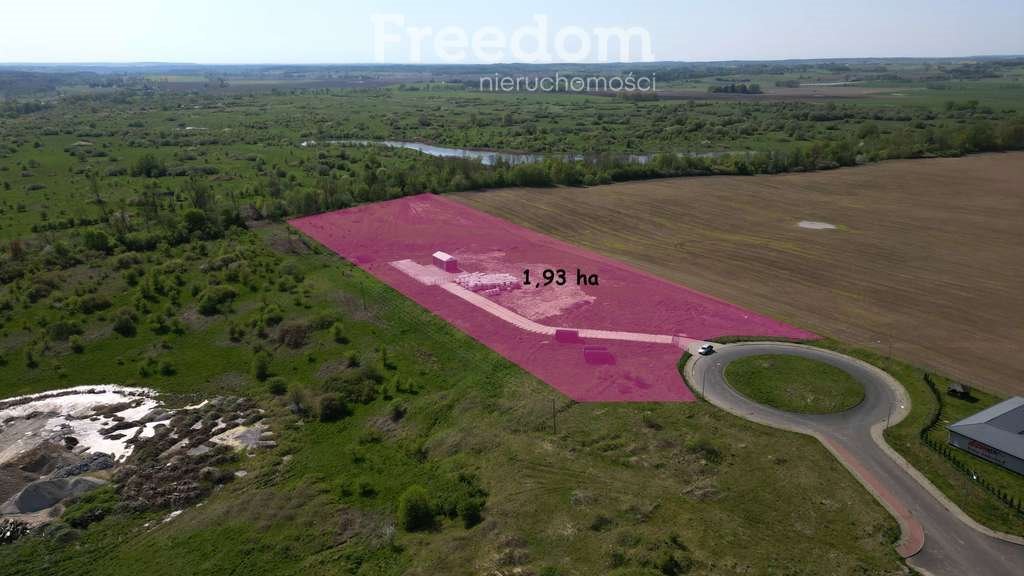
(927, 256)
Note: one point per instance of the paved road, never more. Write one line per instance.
(524, 323)
(936, 539)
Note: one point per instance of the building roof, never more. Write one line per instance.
(1000, 426)
(444, 256)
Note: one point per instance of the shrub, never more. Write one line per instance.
(299, 400)
(332, 408)
(91, 303)
(127, 260)
(360, 386)
(97, 240)
(167, 369)
(124, 324)
(30, 359)
(236, 333)
(338, 333)
(277, 386)
(76, 344)
(214, 298)
(470, 510)
(415, 511)
(62, 330)
(195, 220)
(261, 366)
(705, 448)
(365, 489)
(324, 321)
(149, 166)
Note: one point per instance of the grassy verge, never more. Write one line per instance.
(904, 437)
(794, 384)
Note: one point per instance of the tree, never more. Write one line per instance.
(198, 192)
(94, 189)
(415, 511)
(195, 220)
(149, 166)
(97, 240)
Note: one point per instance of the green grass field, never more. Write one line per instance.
(794, 384)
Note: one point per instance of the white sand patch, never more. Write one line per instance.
(72, 412)
(812, 225)
(196, 406)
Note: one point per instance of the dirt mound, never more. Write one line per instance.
(43, 494)
(32, 465)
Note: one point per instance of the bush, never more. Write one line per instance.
(149, 166)
(76, 344)
(359, 386)
(62, 330)
(299, 400)
(98, 240)
(214, 298)
(236, 333)
(125, 323)
(91, 303)
(471, 512)
(261, 366)
(332, 408)
(338, 333)
(365, 489)
(30, 359)
(167, 369)
(195, 220)
(705, 448)
(277, 386)
(415, 511)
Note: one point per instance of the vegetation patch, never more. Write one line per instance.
(794, 384)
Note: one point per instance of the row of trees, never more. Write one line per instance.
(735, 89)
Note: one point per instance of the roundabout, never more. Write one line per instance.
(936, 536)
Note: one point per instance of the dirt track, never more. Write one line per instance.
(927, 254)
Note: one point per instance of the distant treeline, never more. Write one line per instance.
(736, 89)
(174, 214)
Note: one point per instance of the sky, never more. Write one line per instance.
(438, 31)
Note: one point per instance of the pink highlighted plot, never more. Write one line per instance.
(595, 329)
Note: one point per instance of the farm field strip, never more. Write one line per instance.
(627, 328)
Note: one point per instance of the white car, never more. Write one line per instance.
(706, 350)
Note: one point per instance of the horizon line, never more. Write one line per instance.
(510, 63)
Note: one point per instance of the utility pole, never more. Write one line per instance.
(554, 413)
(890, 349)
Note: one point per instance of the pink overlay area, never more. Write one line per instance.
(618, 341)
